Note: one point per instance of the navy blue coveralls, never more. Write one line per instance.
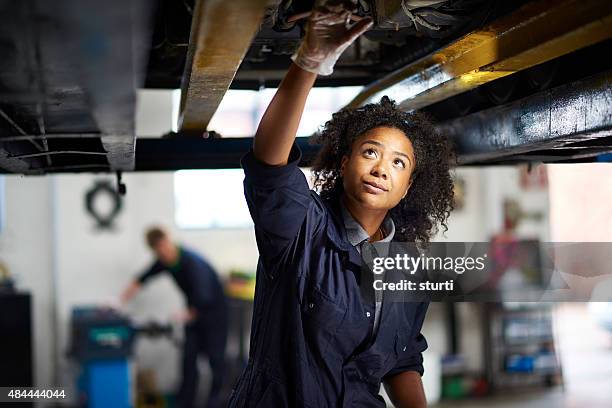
(208, 333)
(310, 337)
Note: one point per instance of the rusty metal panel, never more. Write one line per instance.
(537, 32)
(221, 33)
(553, 119)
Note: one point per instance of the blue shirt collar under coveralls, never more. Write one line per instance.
(312, 341)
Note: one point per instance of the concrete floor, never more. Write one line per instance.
(549, 399)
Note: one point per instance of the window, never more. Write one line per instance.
(210, 199)
(240, 110)
(213, 199)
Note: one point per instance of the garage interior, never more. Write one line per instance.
(119, 115)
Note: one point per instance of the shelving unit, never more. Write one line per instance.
(520, 348)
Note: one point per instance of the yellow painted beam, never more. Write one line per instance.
(221, 33)
(537, 32)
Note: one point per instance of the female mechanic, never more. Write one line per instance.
(317, 339)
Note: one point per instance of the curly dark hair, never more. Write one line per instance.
(430, 198)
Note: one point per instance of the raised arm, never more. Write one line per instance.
(327, 36)
(276, 190)
(278, 126)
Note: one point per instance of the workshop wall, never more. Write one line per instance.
(26, 249)
(581, 192)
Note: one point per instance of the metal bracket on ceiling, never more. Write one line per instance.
(121, 187)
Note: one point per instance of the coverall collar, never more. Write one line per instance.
(355, 232)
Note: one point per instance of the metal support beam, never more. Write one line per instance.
(177, 153)
(221, 33)
(108, 42)
(197, 153)
(576, 112)
(537, 32)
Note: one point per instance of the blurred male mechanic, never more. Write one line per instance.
(205, 317)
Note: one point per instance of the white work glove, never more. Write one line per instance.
(328, 34)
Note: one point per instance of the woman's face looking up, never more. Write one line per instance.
(377, 173)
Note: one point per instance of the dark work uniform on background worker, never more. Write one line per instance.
(205, 318)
